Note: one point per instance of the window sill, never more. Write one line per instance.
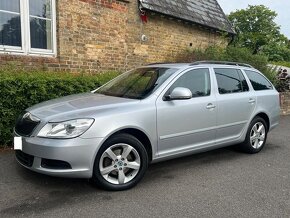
(28, 54)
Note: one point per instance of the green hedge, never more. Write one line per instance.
(20, 90)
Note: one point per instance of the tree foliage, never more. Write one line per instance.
(257, 31)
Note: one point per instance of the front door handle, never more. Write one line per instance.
(210, 106)
(251, 100)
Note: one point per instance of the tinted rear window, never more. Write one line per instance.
(258, 81)
(230, 81)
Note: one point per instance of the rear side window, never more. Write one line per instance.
(258, 81)
(197, 81)
(230, 81)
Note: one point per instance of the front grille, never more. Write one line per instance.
(25, 159)
(55, 164)
(25, 124)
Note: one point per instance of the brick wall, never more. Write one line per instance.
(285, 103)
(100, 35)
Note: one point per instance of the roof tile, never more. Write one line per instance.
(204, 12)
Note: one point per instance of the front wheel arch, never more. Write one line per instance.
(137, 133)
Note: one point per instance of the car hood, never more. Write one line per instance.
(77, 106)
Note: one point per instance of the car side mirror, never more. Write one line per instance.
(179, 93)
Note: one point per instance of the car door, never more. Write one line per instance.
(184, 125)
(235, 104)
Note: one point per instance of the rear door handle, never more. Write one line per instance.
(251, 100)
(210, 106)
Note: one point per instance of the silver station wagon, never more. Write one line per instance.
(150, 114)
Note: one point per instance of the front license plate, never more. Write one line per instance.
(17, 143)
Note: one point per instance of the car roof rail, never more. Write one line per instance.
(160, 63)
(222, 62)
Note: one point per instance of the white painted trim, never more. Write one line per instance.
(10, 12)
(25, 33)
(53, 16)
(27, 26)
(10, 48)
(23, 8)
(41, 18)
(34, 54)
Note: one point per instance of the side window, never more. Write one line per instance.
(230, 81)
(258, 81)
(197, 81)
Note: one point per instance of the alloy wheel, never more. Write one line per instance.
(120, 164)
(257, 135)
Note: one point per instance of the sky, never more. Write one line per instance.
(282, 8)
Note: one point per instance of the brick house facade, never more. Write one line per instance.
(100, 35)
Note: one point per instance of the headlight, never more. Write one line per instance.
(66, 129)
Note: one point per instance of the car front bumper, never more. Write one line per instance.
(78, 153)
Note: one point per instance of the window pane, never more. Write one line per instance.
(138, 83)
(10, 29)
(228, 81)
(197, 81)
(10, 5)
(40, 33)
(40, 8)
(258, 81)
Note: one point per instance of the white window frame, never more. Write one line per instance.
(26, 49)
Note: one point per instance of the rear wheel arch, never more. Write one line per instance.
(265, 117)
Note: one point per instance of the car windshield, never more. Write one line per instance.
(138, 83)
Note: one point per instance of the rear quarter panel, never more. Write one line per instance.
(268, 102)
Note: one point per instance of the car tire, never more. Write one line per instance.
(128, 168)
(256, 136)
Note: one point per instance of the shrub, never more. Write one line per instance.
(20, 90)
